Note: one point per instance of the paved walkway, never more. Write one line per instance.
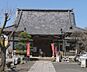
(68, 67)
(42, 66)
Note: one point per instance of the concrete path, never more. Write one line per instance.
(68, 67)
(42, 66)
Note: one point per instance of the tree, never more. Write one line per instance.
(81, 40)
(23, 38)
(2, 45)
(2, 39)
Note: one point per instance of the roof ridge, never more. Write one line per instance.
(44, 9)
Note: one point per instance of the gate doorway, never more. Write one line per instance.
(43, 46)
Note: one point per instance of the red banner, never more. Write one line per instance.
(52, 46)
(28, 48)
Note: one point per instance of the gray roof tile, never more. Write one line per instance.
(45, 22)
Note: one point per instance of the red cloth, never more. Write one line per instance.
(28, 48)
(52, 46)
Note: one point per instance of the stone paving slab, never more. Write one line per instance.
(42, 66)
(68, 67)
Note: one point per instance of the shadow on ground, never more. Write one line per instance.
(21, 67)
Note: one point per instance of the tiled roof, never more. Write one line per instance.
(75, 29)
(45, 21)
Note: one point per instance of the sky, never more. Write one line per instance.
(78, 6)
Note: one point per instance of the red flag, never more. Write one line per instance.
(28, 48)
(52, 46)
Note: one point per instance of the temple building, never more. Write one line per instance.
(46, 26)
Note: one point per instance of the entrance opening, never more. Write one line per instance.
(43, 46)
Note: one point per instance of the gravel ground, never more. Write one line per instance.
(22, 67)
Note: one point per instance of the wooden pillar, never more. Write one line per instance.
(64, 49)
(13, 41)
